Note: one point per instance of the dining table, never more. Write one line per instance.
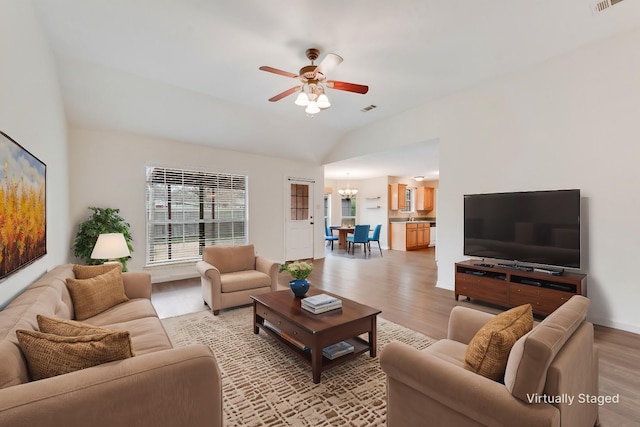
(342, 235)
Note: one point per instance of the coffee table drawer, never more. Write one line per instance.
(285, 326)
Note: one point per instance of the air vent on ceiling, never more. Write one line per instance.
(369, 108)
(602, 5)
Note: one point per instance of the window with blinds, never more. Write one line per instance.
(187, 210)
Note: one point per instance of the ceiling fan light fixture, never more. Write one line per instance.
(314, 81)
(302, 100)
(312, 108)
(323, 101)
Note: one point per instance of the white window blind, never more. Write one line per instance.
(187, 210)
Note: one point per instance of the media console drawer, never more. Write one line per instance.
(486, 289)
(543, 300)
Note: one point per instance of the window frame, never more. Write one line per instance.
(353, 208)
(188, 218)
(410, 197)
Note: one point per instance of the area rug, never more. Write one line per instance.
(265, 385)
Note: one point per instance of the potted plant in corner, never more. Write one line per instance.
(299, 270)
(103, 220)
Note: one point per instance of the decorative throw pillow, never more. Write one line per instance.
(488, 351)
(67, 328)
(95, 295)
(49, 355)
(90, 271)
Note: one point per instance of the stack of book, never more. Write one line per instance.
(320, 303)
(336, 350)
(286, 336)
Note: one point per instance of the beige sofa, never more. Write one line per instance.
(557, 359)
(159, 386)
(231, 274)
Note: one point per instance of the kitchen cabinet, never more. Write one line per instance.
(424, 198)
(397, 196)
(421, 230)
(408, 236)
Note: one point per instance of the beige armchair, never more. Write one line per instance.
(231, 274)
(557, 359)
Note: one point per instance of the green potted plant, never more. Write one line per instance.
(299, 270)
(103, 220)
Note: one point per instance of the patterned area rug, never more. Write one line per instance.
(266, 385)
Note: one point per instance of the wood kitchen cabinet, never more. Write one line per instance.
(418, 236)
(397, 196)
(412, 236)
(408, 236)
(424, 198)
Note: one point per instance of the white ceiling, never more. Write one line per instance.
(188, 69)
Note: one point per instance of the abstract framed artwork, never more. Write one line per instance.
(23, 213)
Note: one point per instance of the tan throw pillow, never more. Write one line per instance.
(95, 295)
(49, 355)
(90, 271)
(67, 328)
(488, 351)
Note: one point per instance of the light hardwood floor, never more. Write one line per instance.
(402, 285)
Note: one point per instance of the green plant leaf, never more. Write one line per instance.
(102, 220)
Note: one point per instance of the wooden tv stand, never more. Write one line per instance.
(511, 287)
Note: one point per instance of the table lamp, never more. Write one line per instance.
(110, 246)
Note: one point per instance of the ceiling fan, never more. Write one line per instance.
(313, 79)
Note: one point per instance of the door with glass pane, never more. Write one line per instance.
(299, 227)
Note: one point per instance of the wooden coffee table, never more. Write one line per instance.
(316, 331)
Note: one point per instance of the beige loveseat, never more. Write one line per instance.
(159, 386)
(231, 274)
(557, 359)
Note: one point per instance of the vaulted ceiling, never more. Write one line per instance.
(188, 69)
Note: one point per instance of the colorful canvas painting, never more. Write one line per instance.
(23, 214)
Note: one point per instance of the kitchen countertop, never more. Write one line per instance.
(406, 221)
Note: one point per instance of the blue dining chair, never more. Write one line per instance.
(375, 238)
(360, 235)
(328, 235)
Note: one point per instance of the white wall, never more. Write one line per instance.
(367, 210)
(571, 122)
(31, 113)
(334, 206)
(108, 170)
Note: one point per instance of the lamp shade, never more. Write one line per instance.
(302, 99)
(110, 246)
(312, 108)
(323, 101)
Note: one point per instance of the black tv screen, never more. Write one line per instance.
(538, 227)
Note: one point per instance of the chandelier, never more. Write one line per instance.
(347, 193)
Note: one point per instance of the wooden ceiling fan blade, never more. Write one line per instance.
(284, 94)
(276, 71)
(329, 62)
(349, 87)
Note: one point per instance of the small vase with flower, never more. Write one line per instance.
(299, 270)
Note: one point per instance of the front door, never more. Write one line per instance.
(299, 228)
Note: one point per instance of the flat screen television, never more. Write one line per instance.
(537, 227)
